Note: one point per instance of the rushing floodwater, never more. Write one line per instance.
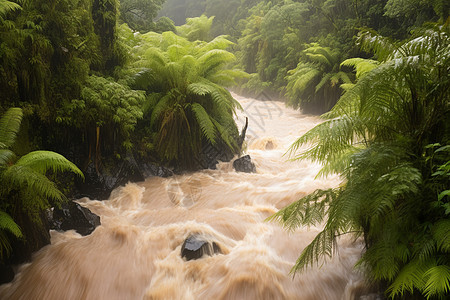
(135, 253)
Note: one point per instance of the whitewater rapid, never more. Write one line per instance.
(135, 253)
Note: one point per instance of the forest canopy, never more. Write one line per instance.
(107, 81)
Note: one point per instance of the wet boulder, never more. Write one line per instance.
(99, 183)
(196, 246)
(244, 164)
(150, 170)
(6, 273)
(71, 215)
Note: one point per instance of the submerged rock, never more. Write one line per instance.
(195, 246)
(71, 215)
(244, 164)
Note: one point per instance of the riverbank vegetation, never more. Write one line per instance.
(101, 81)
(99, 93)
(388, 136)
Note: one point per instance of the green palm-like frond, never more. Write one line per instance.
(370, 41)
(438, 282)
(5, 156)
(410, 277)
(162, 105)
(144, 79)
(9, 127)
(319, 249)
(7, 7)
(220, 42)
(155, 58)
(321, 55)
(376, 137)
(441, 233)
(187, 103)
(314, 84)
(7, 224)
(43, 161)
(309, 210)
(176, 52)
(25, 178)
(323, 81)
(205, 122)
(225, 135)
(196, 28)
(302, 78)
(200, 88)
(212, 61)
(361, 65)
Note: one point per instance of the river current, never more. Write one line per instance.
(135, 253)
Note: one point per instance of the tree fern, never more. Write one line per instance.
(43, 161)
(7, 224)
(25, 185)
(9, 127)
(190, 105)
(438, 283)
(361, 65)
(7, 7)
(377, 138)
(316, 79)
(206, 125)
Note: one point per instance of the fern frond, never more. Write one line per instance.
(319, 58)
(25, 178)
(5, 157)
(8, 224)
(9, 127)
(219, 42)
(154, 57)
(143, 79)
(42, 161)
(361, 65)
(7, 7)
(225, 136)
(161, 105)
(441, 233)
(176, 52)
(212, 61)
(370, 41)
(438, 282)
(200, 88)
(319, 249)
(309, 210)
(410, 277)
(302, 79)
(322, 55)
(206, 125)
(323, 81)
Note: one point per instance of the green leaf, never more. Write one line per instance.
(205, 122)
(9, 127)
(438, 282)
(42, 161)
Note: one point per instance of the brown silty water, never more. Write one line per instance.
(135, 253)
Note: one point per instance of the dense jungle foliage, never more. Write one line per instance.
(103, 80)
(75, 79)
(278, 40)
(388, 136)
